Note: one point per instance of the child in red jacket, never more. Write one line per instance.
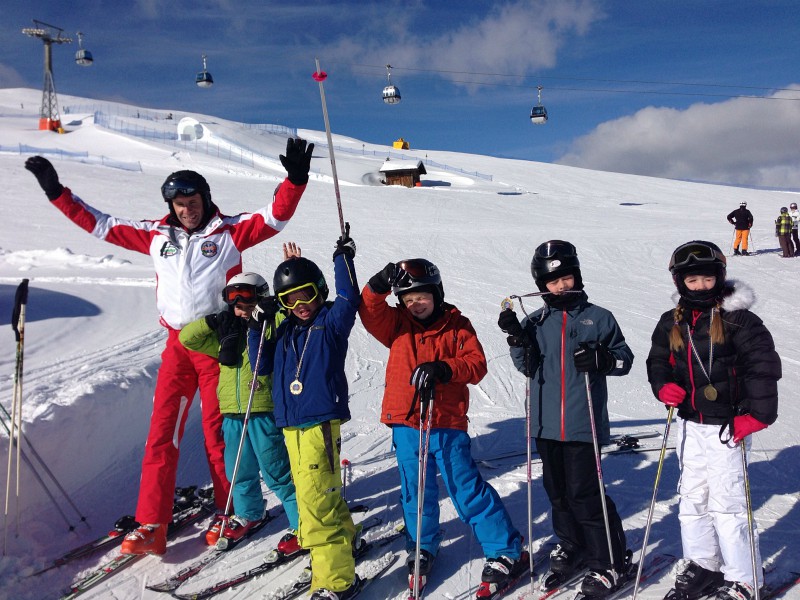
(433, 346)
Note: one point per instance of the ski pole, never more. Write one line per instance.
(426, 404)
(345, 474)
(652, 503)
(599, 470)
(34, 454)
(750, 524)
(18, 323)
(529, 476)
(320, 76)
(244, 430)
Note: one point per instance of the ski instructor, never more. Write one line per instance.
(195, 250)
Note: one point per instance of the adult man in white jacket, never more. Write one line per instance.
(195, 250)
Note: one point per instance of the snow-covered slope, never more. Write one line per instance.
(92, 340)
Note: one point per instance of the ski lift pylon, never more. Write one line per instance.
(539, 112)
(204, 78)
(391, 93)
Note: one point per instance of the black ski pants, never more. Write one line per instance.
(573, 487)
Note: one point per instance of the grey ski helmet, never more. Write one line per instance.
(421, 275)
(555, 259)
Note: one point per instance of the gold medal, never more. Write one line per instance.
(710, 392)
(296, 387)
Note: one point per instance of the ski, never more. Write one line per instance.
(554, 587)
(210, 557)
(775, 586)
(657, 565)
(302, 583)
(280, 560)
(122, 527)
(198, 507)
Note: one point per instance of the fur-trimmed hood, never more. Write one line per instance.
(737, 295)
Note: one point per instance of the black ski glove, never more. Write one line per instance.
(345, 244)
(383, 280)
(228, 328)
(297, 160)
(595, 358)
(428, 373)
(517, 337)
(265, 310)
(46, 175)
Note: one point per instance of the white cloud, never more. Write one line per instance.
(515, 37)
(739, 141)
(10, 78)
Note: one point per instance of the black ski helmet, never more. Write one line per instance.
(298, 271)
(555, 259)
(420, 275)
(186, 183)
(698, 257)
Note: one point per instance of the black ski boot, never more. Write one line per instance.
(735, 590)
(600, 583)
(736, 252)
(693, 581)
(501, 573)
(425, 566)
(565, 564)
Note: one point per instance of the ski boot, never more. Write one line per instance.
(735, 590)
(599, 583)
(236, 529)
(147, 539)
(565, 564)
(499, 574)
(351, 592)
(425, 566)
(288, 546)
(693, 581)
(215, 529)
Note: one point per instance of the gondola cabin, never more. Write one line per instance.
(84, 58)
(391, 94)
(204, 79)
(538, 115)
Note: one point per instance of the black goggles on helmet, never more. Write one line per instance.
(555, 248)
(695, 254)
(175, 187)
(418, 269)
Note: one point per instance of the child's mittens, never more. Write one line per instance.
(745, 425)
(671, 394)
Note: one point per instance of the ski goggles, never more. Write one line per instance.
(555, 248)
(414, 269)
(302, 294)
(174, 187)
(697, 254)
(240, 292)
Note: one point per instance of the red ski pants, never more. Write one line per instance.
(181, 373)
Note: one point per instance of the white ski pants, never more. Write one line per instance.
(713, 505)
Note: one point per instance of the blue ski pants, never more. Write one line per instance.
(264, 456)
(476, 502)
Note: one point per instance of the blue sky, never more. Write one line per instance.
(610, 71)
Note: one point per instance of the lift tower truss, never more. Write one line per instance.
(49, 118)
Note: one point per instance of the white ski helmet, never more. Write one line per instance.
(247, 287)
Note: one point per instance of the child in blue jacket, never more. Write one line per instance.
(310, 393)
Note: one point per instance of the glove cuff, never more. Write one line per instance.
(54, 193)
(379, 285)
(298, 179)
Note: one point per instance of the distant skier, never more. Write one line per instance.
(795, 214)
(783, 231)
(742, 220)
(195, 249)
(433, 346)
(563, 342)
(716, 362)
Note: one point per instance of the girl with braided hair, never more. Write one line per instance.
(714, 361)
